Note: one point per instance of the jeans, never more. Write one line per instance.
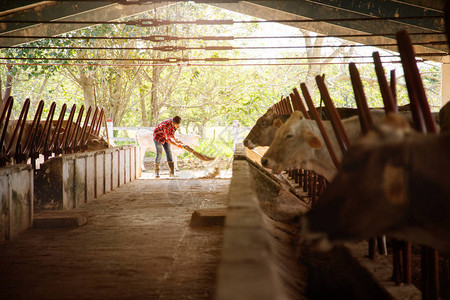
(167, 149)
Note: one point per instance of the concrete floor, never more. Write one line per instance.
(137, 244)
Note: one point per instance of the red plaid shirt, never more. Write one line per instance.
(164, 131)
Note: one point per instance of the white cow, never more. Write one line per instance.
(145, 140)
(298, 143)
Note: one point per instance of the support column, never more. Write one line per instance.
(445, 80)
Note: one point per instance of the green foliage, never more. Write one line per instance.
(202, 95)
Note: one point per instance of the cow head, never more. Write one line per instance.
(98, 143)
(263, 133)
(294, 144)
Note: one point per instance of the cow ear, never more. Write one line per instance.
(312, 139)
(297, 114)
(277, 123)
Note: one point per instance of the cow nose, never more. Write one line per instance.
(246, 143)
(264, 161)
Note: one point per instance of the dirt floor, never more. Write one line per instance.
(137, 244)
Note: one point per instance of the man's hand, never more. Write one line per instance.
(177, 143)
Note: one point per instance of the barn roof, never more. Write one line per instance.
(335, 16)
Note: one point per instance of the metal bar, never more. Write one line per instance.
(388, 99)
(29, 147)
(365, 118)
(4, 121)
(74, 137)
(91, 129)
(99, 123)
(409, 65)
(184, 59)
(19, 128)
(64, 139)
(43, 145)
(339, 130)
(316, 116)
(4, 118)
(165, 38)
(393, 86)
(80, 141)
(425, 123)
(287, 106)
(301, 106)
(229, 48)
(55, 145)
(159, 22)
(190, 64)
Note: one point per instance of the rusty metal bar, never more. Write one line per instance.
(43, 145)
(287, 104)
(99, 123)
(413, 80)
(316, 116)
(403, 251)
(281, 106)
(55, 144)
(425, 124)
(298, 101)
(65, 137)
(365, 118)
(91, 129)
(19, 128)
(366, 122)
(30, 145)
(4, 121)
(165, 38)
(153, 22)
(4, 118)
(284, 106)
(388, 99)
(339, 130)
(74, 137)
(80, 141)
(393, 86)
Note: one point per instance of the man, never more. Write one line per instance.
(163, 136)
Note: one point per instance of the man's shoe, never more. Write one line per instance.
(157, 171)
(172, 169)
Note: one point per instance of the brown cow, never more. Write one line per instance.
(391, 182)
(263, 132)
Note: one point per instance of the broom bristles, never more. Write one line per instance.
(197, 154)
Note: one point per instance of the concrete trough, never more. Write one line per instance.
(16, 200)
(263, 257)
(67, 181)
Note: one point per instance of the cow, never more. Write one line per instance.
(393, 181)
(263, 132)
(298, 143)
(145, 140)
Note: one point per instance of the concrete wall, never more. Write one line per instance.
(247, 269)
(16, 200)
(68, 181)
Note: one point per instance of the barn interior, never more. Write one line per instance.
(92, 225)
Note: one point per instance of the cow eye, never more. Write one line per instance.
(263, 124)
(289, 136)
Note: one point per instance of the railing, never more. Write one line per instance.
(423, 121)
(21, 140)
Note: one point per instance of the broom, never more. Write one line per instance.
(197, 154)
